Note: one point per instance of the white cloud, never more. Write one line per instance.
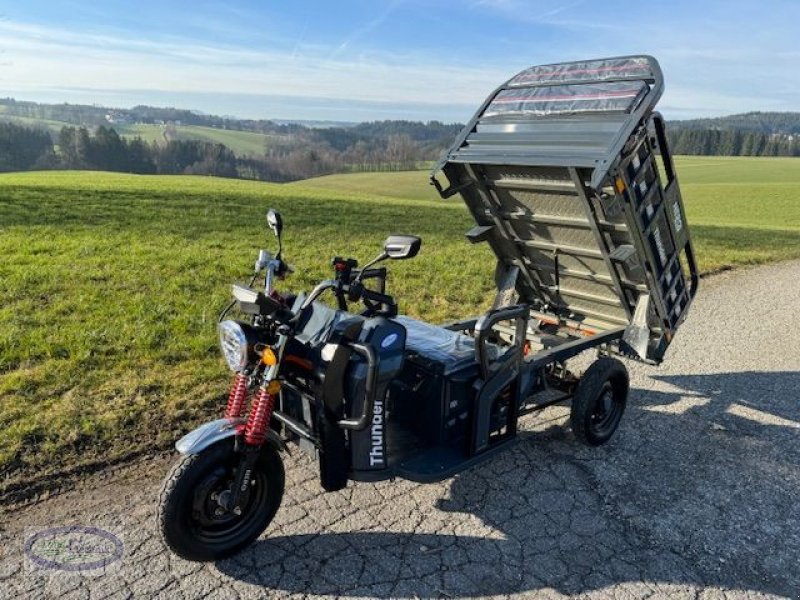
(47, 58)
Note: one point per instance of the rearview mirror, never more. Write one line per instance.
(275, 221)
(400, 247)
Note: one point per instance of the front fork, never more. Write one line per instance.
(252, 435)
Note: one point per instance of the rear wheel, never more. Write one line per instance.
(599, 401)
(192, 513)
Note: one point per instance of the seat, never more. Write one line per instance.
(454, 350)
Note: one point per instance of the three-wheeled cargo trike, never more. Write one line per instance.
(568, 175)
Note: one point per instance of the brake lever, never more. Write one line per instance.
(283, 269)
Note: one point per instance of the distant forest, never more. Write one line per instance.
(91, 116)
(294, 151)
(748, 134)
(88, 140)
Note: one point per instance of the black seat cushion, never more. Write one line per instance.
(451, 348)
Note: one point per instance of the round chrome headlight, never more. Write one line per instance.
(234, 345)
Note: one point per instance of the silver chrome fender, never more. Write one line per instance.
(212, 432)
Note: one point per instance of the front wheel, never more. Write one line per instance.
(192, 517)
(599, 401)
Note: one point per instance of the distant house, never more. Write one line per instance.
(117, 118)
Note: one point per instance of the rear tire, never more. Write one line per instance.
(599, 401)
(188, 515)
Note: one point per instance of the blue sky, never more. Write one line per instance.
(398, 59)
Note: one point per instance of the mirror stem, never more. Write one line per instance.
(382, 256)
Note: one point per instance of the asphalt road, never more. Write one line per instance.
(698, 496)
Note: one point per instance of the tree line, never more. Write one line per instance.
(106, 150)
(93, 115)
(23, 148)
(732, 142)
(787, 123)
(307, 153)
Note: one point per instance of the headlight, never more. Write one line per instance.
(237, 342)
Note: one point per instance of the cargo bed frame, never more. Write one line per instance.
(588, 228)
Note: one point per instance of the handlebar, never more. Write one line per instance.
(317, 292)
(347, 285)
(371, 273)
(371, 298)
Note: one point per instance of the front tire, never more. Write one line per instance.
(599, 401)
(192, 522)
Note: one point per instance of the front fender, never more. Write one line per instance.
(212, 432)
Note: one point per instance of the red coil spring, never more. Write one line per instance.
(255, 432)
(237, 397)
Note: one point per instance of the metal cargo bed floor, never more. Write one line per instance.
(566, 171)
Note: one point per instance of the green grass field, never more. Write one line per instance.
(243, 143)
(742, 210)
(54, 127)
(111, 284)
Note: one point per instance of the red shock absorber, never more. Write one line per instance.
(237, 397)
(255, 432)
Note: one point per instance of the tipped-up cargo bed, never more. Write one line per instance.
(568, 175)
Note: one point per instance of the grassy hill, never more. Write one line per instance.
(743, 210)
(112, 284)
(404, 185)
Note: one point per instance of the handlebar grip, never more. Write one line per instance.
(372, 273)
(375, 301)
